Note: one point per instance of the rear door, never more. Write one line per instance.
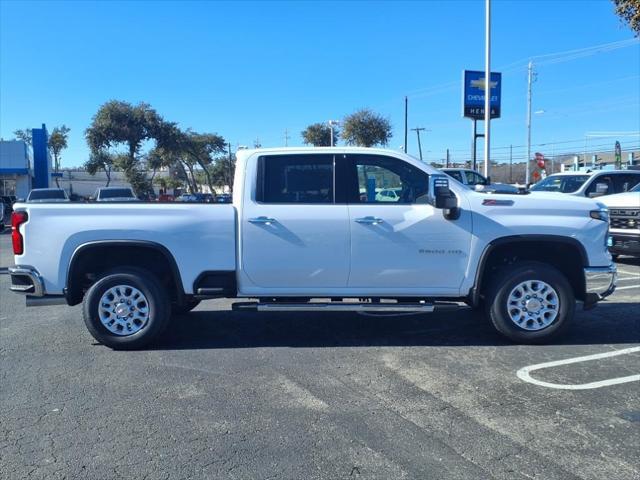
(406, 244)
(294, 232)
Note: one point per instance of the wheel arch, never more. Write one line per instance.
(518, 244)
(73, 290)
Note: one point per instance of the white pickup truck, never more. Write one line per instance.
(307, 232)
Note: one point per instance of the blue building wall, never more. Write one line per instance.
(41, 164)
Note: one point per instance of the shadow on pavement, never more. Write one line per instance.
(609, 323)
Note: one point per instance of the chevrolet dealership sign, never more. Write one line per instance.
(473, 91)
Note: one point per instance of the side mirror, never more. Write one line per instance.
(439, 194)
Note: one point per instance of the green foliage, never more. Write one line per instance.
(319, 135)
(57, 143)
(223, 170)
(365, 128)
(120, 123)
(24, 135)
(101, 160)
(629, 11)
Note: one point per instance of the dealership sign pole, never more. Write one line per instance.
(487, 88)
(473, 101)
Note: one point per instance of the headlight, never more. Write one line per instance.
(601, 214)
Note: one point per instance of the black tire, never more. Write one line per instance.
(506, 280)
(157, 301)
(186, 307)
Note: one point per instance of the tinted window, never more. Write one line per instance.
(560, 183)
(47, 195)
(624, 182)
(474, 178)
(603, 180)
(116, 193)
(296, 179)
(455, 174)
(387, 180)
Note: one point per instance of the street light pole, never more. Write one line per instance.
(487, 87)
(528, 159)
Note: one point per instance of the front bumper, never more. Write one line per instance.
(600, 282)
(625, 243)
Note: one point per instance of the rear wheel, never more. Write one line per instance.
(530, 303)
(126, 309)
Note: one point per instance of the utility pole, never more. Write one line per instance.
(286, 137)
(418, 130)
(229, 173)
(528, 159)
(406, 118)
(510, 163)
(487, 88)
(447, 158)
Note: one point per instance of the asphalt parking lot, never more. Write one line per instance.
(340, 396)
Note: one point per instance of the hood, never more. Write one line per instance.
(554, 203)
(628, 199)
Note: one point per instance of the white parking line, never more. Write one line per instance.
(523, 373)
(628, 287)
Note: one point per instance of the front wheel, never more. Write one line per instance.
(126, 309)
(530, 303)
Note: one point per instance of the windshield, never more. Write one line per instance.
(636, 188)
(116, 193)
(560, 183)
(47, 195)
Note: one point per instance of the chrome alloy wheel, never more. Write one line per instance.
(123, 310)
(533, 305)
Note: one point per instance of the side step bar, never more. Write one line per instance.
(334, 307)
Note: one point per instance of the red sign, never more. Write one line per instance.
(540, 159)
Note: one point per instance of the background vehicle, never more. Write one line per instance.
(8, 201)
(299, 231)
(223, 198)
(195, 198)
(589, 184)
(624, 222)
(2, 214)
(387, 195)
(115, 194)
(41, 195)
(477, 182)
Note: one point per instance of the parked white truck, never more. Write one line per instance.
(307, 232)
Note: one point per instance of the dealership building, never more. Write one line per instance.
(22, 170)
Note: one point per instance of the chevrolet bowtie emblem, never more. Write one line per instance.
(480, 83)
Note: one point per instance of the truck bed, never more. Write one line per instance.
(200, 237)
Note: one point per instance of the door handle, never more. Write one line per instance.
(370, 220)
(262, 220)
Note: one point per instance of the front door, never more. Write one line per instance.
(399, 241)
(295, 236)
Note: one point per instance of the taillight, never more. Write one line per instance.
(17, 219)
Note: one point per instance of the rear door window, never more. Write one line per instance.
(295, 179)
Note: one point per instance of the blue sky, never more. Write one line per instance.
(251, 70)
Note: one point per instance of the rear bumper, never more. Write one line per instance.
(26, 280)
(600, 282)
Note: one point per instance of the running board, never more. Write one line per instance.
(335, 307)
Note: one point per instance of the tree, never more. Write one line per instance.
(57, 143)
(629, 12)
(319, 135)
(24, 135)
(223, 170)
(100, 160)
(366, 129)
(120, 123)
